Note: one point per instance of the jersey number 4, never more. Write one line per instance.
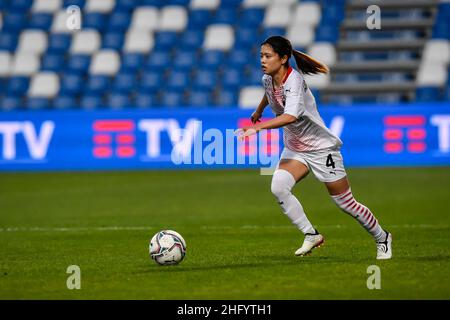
(330, 162)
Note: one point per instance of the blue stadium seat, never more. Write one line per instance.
(328, 33)
(126, 5)
(119, 21)
(184, 60)
(65, 102)
(332, 13)
(52, 62)
(211, 59)
(11, 103)
(224, 16)
(41, 21)
(269, 32)
(97, 84)
(113, 40)
(177, 2)
(20, 5)
(447, 93)
(153, 3)
(125, 82)
(230, 3)
(232, 78)
(165, 40)
(177, 80)
(245, 37)
(71, 84)
(38, 103)
(251, 17)
(172, 99)
(205, 80)
(17, 85)
(198, 19)
(90, 102)
(78, 63)
(226, 98)
(8, 41)
(132, 62)
(199, 98)
(150, 82)
(118, 101)
(191, 40)
(253, 76)
(59, 42)
(238, 58)
(428, 94)
(95, 20)
(158, 60)
(145, 100)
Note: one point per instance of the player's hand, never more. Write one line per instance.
(256, 117)
(241, 133)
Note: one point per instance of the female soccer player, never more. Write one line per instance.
(308, 144)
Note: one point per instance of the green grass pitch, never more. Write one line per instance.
(239, 243)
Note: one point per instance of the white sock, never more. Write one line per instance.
(348, 204)
(282, 183)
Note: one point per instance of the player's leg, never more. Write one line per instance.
(341, 194)
(288, 173)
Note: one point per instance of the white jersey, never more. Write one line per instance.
(309, 132)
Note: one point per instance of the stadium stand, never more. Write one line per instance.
(153, 53)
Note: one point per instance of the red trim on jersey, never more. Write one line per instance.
(287, 74)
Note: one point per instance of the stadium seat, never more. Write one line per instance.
(105, 62)
(231, 79)
(245, 37)
(327, 33)
(204, 4)
(204, 80)
(78, 63)
(255, 3)
(113, 40)
(58, 43)
(17, 86)
(44, 85)
(131, 62)
(90, 102)
(238, 58)
(145, 100)
(428, 94)
(104, 6)
(250, 97)
(59, 24)
(199, 98)
(226, 98)
(191, 40)
(211, 59)
(150, 82)
(307, 13)
(97, 85)
(323, 52)
(317, 81)
(46, 6)
(119, 21)
(38, 103)
(85, 42)
(5, 63)
(436, 51)
(219, 37)
(301, 35)
(157, 61)
(33, 41)
(251, 17)
(277, 16)
(145, 18)
(166, 40)
(177, 80)
(139, 41)
(125, 5)
(198, 19)
(124, 82)
(184, 60)
(14, 22)
(41, 21)
(431, 74)
(118, 101)
(173, 18)
(172, 99)
(11, 103)
(25, 64)
(64, 102)
(8, 41)
(71, 84)
(96, 21)
(224, 16)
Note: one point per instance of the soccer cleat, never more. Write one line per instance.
(384, 249)
(311, 241)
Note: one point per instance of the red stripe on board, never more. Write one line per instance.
(393, 147)
(405, 121)
(393, 134)
(125, 151)
(416, 147)
(416, 134)
(125, 138)
(102, 152)
(102, 139)
(113, 125)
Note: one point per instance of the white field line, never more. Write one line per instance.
(144, 228)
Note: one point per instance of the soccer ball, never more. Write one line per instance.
(167, 247)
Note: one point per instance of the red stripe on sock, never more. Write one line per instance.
(348, 200)
(373, 224)
(365, 214)
(345, 195)
(370, 220)
(356, 204)
(349, 205)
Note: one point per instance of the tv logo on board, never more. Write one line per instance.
(36, 140)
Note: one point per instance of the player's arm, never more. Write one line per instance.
(256, 116)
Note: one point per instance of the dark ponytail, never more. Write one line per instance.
(305, 63)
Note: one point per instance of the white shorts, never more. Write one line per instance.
(327, 165)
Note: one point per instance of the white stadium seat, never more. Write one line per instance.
(5, 63)
(34, 41)
(204, 4)
(103, 6)
(173, 18)
(277, 16)
(255, 3)
(219, 37)
(44, 84)
(25, 64)
(105, 62)
(437, 50)
(323, 52)
(145, 18)
(307, 13)
(139, 41)
(250, 97)
(85, 42)
(431, 74)
(317, 81)
(300, 35)
(46, 6)
(59, 24)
